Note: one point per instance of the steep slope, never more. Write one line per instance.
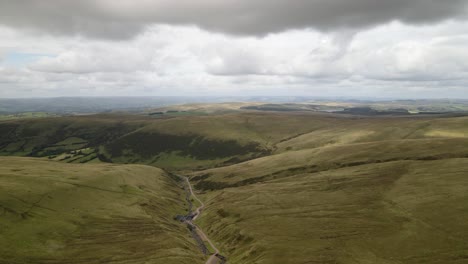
(125, 139)
(370, 129)
(395, 212)
(328, 158)
(278, 188)
(395, 194)
(55, 212)
(184, 142)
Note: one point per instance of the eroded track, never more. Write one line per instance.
(197, 233)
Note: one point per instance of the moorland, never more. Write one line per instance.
(327, 182)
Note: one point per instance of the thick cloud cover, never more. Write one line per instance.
(392, 60)
(377, 48)
(125, 18)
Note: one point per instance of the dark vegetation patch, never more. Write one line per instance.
(222, 213)
(110, 139)
(103, 158)
(174, 176)
(201, 177)
(41, 138)
(148, 145)
(238, 159)
(213, 185)
(7, 131)
(89, 159)
(293, 137)
(371, 111)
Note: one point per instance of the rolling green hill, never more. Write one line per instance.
(395, 212)
(279, 187)
(124, 139)
(184, 142)
(55, 212)
(365, 190)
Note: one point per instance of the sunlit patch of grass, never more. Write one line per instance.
(448, 134)
(26, 115)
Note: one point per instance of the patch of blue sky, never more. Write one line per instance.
(20, 59)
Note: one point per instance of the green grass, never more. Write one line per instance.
(185, 113)
(132, 139)
(302, 187)
(397, 212)
(368, 190)
(176, 161)
(71, 143)
(25, 115)
(334, 157)
(54, 213)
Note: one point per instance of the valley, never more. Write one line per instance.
(233, 132)
(255, 186)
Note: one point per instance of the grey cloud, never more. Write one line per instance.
(391, 60)
(125, 18)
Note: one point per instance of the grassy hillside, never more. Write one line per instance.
(55, 212)
(395, 212)
(25, 115)
(369, 108)
(353, 190)
(369, 129)
(279, 187)
(202, 141)
(121, 139)
(329, 158)
(337, 142)
(184, 142)
(51, 136)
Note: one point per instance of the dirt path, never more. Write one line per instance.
(202, 205)
(212, 260)
(214, 257)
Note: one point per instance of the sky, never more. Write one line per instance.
(325, 48)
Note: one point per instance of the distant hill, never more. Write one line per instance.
(70, 105)
(80, 105)
(303, 185)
